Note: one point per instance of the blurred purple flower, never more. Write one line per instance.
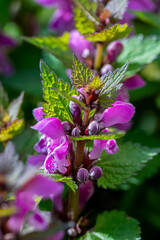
(38, 185)
(6, 44)
(80, 46)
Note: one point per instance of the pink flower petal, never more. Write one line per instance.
(52, 127)
(38, 113)
(36, 160)
(85, 192)
(134, 82)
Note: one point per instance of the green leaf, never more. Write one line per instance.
(117, 8)
(114, 225)
(67, 180)
(46, 205)
(139, 50)
(113, 33)
(148, 17)
(84, 16)
(58, 46)
(104, 136)
(81, 74)
(15, 128)
(122, 165)
(112, 84)
(3, 97)
(65, 95)
(56, 105)
(5, 212)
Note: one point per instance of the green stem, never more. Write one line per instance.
(73, 205)
(79, 155)
(98, 57)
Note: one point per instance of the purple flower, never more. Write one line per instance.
(53, 145)
(80, 46)
(120, 113)
(6, 43)
(38, 113)
(131, 83)
(85, 192)
(38, 185)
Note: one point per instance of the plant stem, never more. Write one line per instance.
(98, 57)
(79, 155)
(73, 205)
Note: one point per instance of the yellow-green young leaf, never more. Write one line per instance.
(84, 16)
(67, 180)
(114, 225)
(15, 128)
(104, 136)
(56, 105)
(111, 34)
(5, 212)
(122, 165)
(81, 74)
(58, 46)
(95, 84)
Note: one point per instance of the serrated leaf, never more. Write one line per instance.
(122, 165)
(81, 74)
(58, 46)
(14, 107)
(70, 98)
(9, 132)
(117, 8)
(67, 180)
(113, 33)
(139, 51)
(84, 16)
(114, 225)
(104, 136)
(112, 84)
(95, 84)
(56, 105)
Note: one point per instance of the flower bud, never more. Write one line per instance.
(106, 68)
(72, 232)
(93, 128)
(76, 132)
(111, 146)
(95, 173)
(114, 49)
(102, 126)
(66, 126)
(74, 109)
(82, 175)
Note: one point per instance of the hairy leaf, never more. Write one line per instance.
(9, 132)
(104, 136)
(117, 8)
(58, 46)
(122, 165)
(95, 84)
(56, 105)
(139, 50)
(113, 33)
(67, 180)
(114, 225)
(70, 98)
(112, 84)
(84, 16)
(81, 74)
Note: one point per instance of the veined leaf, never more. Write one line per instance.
(67, 180)
(112, 84)
(122, 165)
(15, 128)
(84, 16)
(139, 51)
(114, 225)
(104, 136)
(70, 98)
(117, 8)
(56, 105)
(58, 46)
(81, 74)
(113, 33)
(95, 84)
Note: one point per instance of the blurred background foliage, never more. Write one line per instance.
(26, 18)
